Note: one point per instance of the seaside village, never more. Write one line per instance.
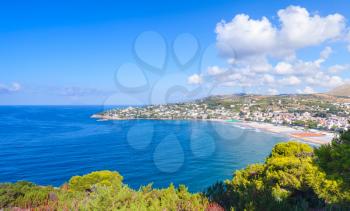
(330, 117)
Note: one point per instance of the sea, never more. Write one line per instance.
(48, 145)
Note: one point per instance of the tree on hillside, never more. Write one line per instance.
(291, 178)
(334, 160)
(283, 182)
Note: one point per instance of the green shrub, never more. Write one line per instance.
(99, 191)
(334, 161)
(103, 178)
(23, 194)
(283, 182)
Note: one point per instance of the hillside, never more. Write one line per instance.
(343, 90)
(316, 111)
(293, 100)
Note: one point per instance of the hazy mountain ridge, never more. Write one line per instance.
(329, 97)
(343, 90)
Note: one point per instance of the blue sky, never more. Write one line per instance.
(140, 52)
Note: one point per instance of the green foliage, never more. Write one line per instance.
(311, 124)
(334, 160)
(99, 191)
(291, 149)
(102, 178)
(308, 124)
(290, 179)
(298, 123)
(23, 194)
(146, 198)
(283, 181)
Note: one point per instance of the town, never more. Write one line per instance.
(310, 111)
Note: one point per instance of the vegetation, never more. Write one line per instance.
(101, 190)
(293, 177)
(310, 124)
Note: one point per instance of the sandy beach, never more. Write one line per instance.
(309, 136)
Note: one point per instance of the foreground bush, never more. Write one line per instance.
(101, 190)
(100, 178)
(291, 178)
(23, 194)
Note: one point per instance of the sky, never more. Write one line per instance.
(150, 52)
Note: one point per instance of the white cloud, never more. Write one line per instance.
(284, 68)
(300, 67)
(14, 87)
(338, 68)
(250, 47)
(215, 70)
(306, 90)
(324, 80)
(347, 39)
(234, 77)
(245, 37)
(194, 79)
(335, 81)
(326, 52)
(268, 79)
(300, 29)
(273, 91)
(290, 81)
(306, 67)
(258, 65)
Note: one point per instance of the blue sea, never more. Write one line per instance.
(49, 144)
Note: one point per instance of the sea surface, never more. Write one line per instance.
(48, 145)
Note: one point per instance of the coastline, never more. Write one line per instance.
(299, 134)
(309, 136)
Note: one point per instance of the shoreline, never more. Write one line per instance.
(299, 134)
(309, 136)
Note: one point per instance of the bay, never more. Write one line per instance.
(48, 145)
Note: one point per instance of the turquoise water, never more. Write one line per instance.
(49, 144)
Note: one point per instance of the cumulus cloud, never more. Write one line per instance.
(338, 68)
(244, 37)
(268, 79)
(290, 81)
(284, 68)
(347, 39)
(323, 80)
(14, 87)
(325, 53)
(306, 90)
(272, 91)
(194, 79)
(301, 67)
(215, 70)
(300, 29)
(264, 53)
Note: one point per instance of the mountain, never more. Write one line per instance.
(343, 90)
